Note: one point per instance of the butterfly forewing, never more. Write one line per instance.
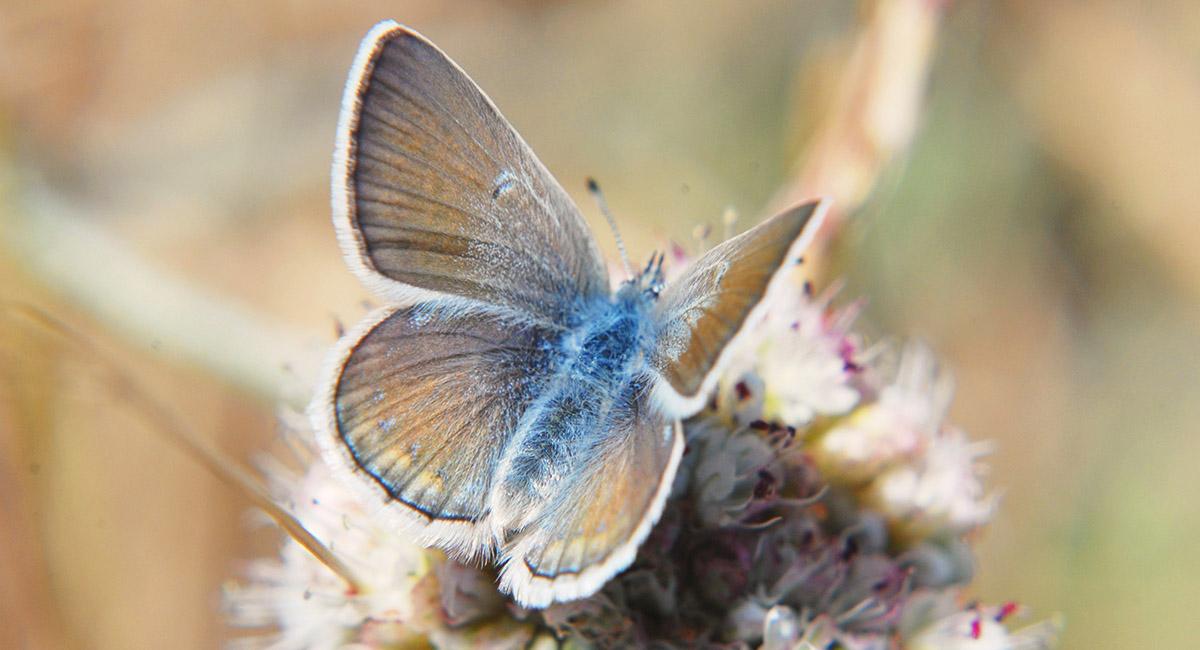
(435, 192)
(423, 401)
(698, 315)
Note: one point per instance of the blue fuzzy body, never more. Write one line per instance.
(601, 374)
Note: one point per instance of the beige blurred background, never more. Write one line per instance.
(1019, 181)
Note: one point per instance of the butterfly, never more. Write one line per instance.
(507, 404)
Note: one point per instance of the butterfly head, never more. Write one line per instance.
(647, 284)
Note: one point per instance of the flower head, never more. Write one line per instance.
(799, 363)
(821, 500)
(938, 624)
(408, 595)
(940, 494)
(898, 424)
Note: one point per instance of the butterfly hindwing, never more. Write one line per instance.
(434, 193)
(698, 315)
(420, 403)
(591, 528)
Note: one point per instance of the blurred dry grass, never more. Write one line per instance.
(163, 186)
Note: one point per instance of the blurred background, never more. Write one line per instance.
(1017, 183)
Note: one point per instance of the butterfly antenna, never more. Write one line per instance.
(164, 422)
(594, 188)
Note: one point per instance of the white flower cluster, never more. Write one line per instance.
(824, 500)
(801, 354)
(408, 596)
(882, 436)
(898, 425)
(977, 628)
(940, 493)
(310, 606)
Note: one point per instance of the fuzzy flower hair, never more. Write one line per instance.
(822, 502)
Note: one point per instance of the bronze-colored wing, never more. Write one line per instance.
(434, 193)
(592, 528)
(699, 314)
(417, 406)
